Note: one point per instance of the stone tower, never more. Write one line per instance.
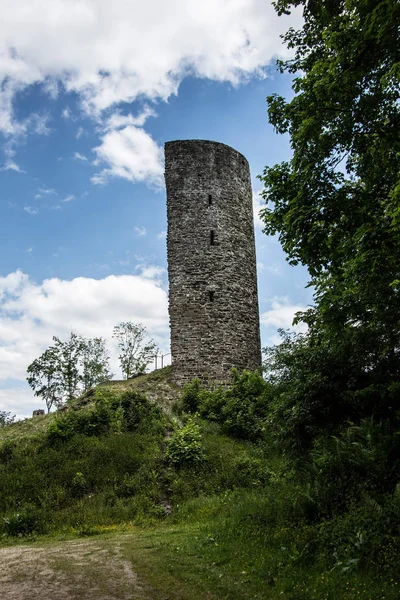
(213, 303)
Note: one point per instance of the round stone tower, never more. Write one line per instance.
(213, 303)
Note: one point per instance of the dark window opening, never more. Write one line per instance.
(209, 199)
(212, 238)
(211, 296)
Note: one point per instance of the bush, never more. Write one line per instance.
(25, 522)
(139, 413)
(191, 395)
(241, 410)
(94, 422)
(361, 459)
(129, 412)
(79, 485)
(185, 448)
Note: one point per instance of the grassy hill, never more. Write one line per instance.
(193, 491)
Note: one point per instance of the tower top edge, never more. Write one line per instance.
(198, 143)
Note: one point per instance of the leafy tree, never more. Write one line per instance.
(69, 367)
(6, 418)
(135, 353)
(335, 204)
(45, 378)
(95, 363)
(69, 355)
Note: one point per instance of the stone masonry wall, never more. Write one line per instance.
(213, 303)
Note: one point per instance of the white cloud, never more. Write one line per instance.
(79, 133)
(69, 198)
(31, 210)
(118, 121)
(79, 156)
(152, 272)
(113, 52)
(140, 231)
(12, 284)
(130, 153)
(45, 190)
(280, 316)
(30, 314)
(11, 165)
(20, 401)
(38, 124)
(162, 235)
(67, 114)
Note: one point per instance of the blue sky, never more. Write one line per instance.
(82, 125)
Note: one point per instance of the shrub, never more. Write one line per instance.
(127, 412)
(94, 422)
(138, 412)
(185, 448)
(79, 485)
(360, 459)
(25, 522)
(241, 410)
(7, 451)
(191, 395)
(127, 487)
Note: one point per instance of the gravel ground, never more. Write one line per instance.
(84, 570)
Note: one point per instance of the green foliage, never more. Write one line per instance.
(79, 485)
(128, 412)
(67, 368)
(44, 377)
(94, 422)
(95, 363)
(241, 409)
(26, 522)
(6, 418)
(185, 448)
(135, 354)
(335, 206)
(360, 461)
(191, 396)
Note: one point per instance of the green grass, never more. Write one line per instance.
(26, 429)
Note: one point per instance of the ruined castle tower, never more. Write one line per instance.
(213, 304)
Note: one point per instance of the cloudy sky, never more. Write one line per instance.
(90, 91)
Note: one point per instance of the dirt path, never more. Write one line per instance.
(84, 569)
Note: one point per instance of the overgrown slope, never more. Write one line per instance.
(225, 515)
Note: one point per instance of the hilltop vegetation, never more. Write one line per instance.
(212, 484)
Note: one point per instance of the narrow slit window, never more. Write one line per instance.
(211, 296)
(212, 238)
(209, 199)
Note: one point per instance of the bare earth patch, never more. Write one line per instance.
(82, 569)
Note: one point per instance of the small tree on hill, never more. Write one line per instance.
(6, 418)
(45, 378)
(69, 355)
(95, 363)
(135, 354)
(69, 367)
